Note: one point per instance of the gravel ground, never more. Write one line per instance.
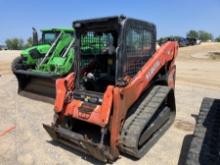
(29, 144)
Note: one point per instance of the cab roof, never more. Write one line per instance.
(88, 23)
(58, 30)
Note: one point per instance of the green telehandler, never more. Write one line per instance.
(38, 67)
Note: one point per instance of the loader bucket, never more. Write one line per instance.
(79, 142)
(38, 86)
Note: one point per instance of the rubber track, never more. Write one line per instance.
(137, 122)
(205, 145)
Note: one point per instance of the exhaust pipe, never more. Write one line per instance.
(35, 36)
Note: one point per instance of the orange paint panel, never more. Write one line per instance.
(62, 87)
(99, 115)
(107, 105)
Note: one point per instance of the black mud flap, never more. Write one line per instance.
(36, 86)
(79, 142)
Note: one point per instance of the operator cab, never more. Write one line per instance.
(110, 50)
(49, 36)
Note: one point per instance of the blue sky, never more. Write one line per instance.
(172, 17)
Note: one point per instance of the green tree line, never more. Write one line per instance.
(18, 43)
(199, 35)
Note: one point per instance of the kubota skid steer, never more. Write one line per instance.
(121, 98)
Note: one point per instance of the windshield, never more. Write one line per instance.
(95, 44)
(49, 37)
(97, 60)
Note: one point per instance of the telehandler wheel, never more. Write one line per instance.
(152, 116)
(16, 63)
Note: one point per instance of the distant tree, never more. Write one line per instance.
(205, 36)
(192, 34)
(14, 43)
(175, 38)
(29, 42)
(162, 40)
(217, 39)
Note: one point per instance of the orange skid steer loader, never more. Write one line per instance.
(120, 98)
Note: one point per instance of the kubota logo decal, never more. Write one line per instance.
(152, 70)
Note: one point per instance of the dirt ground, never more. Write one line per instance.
(197, 77)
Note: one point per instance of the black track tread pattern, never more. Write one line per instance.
(205, 145)
(136, 122)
